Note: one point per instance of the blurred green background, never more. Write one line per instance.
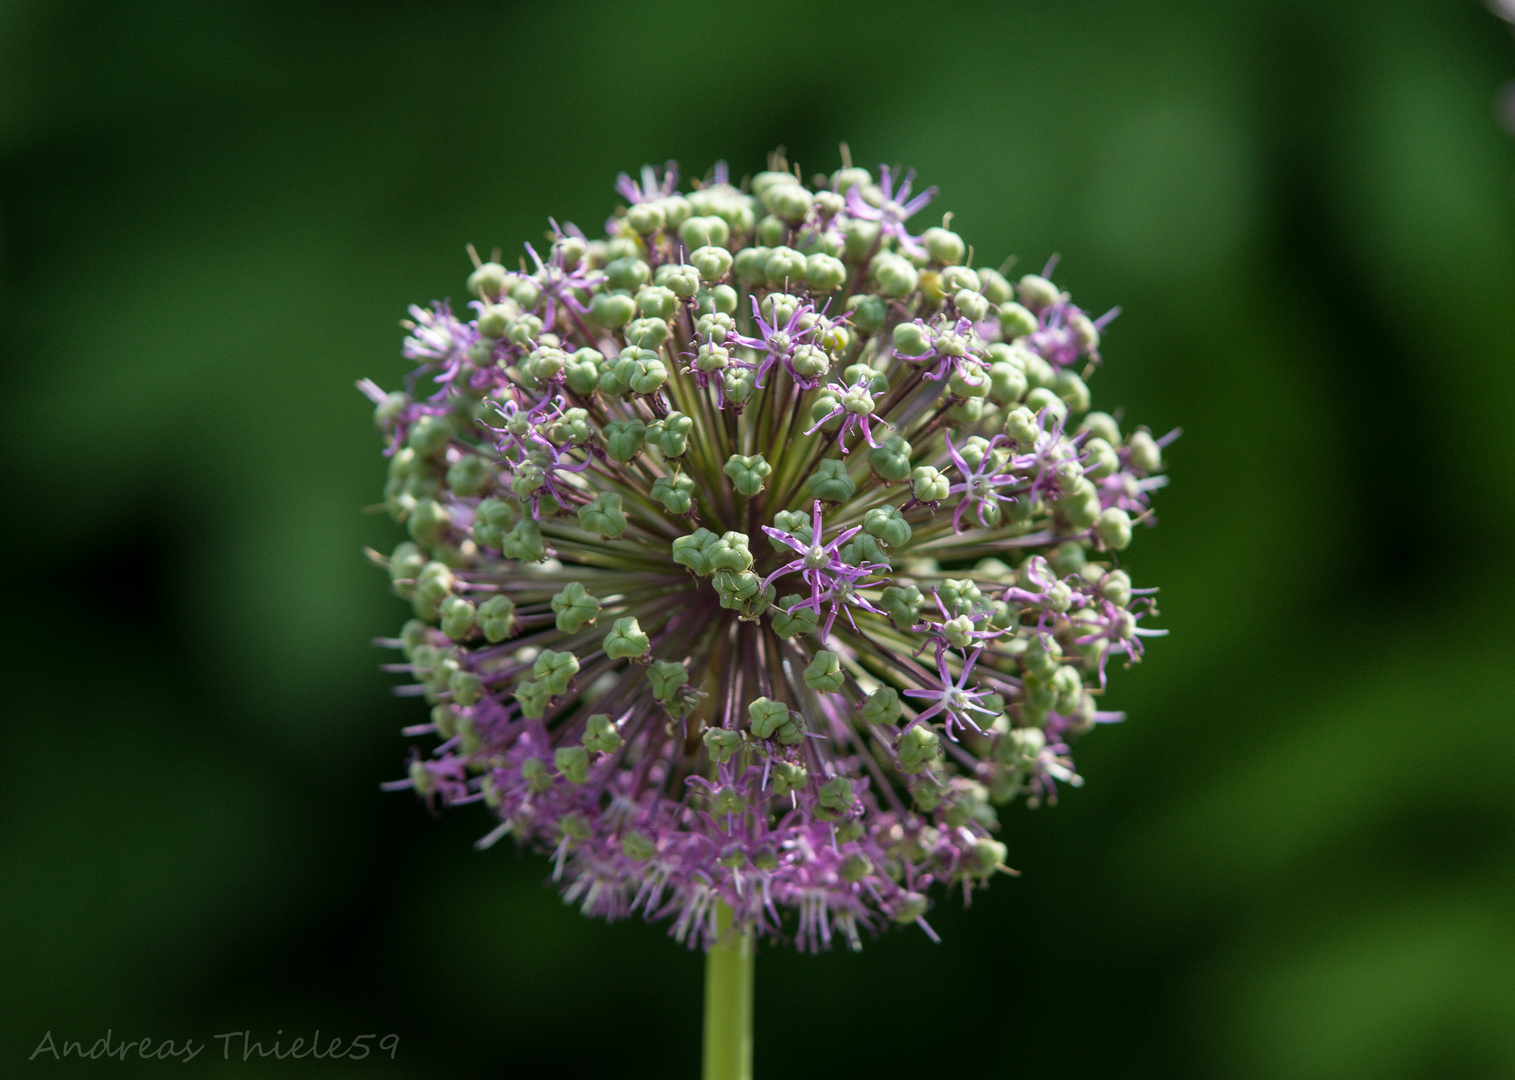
(1295, 860)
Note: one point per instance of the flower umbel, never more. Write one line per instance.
(726, 603)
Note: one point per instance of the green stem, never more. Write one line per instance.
(728, 1002)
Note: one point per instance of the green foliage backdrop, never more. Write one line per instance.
(1294, 861)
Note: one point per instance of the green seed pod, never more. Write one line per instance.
(789, 201)
(626, 640)
(1067, 558)
(1114, 528)
(466, 687)
(825, 672)
(722, 745)
(555, 670)
(751, 266)
(712, 263)
(862, 238)
(497, 618)
(488, 281)
(1146, 455)
(428, 523)
(657, 302)
(902, 603)
(911, 339)
(835, 800)
(929, 484)
(600, 735)
(682, 281)
(891, 458)
(637, 846)
(882, 706)
(988, 857)
(645, 218)
(766, 716)
(671, 434)
(574, 607)
(1037, 292)
(612, 309)
(699, 232)
(747, 473)
(788, 777)
(995, 288)
(675, 492)
(645, 333)
(895, 276)
(971, 305)
(1022, 428)
(1100, 458)
(911, 908)
(430, 435)
(1072, 390)
(666, 677)
(730, 552)
(844, 180)
(692, 551)
(824, 273)
(603, 515)
(495, 318)
(969, 379)
(944, 247)
(918, 748)
(404, 565)
(459, 617)
(583, 372)
(771, 231)
(523, 542)
(534, 699)
(624, 438)
(1101, 425)
(863, 550)
(797, 624)
(572, 762)
(830, 482)
(572, 428)
(867, 313)
(1080, 504)
(1015, 321)
(629, 273)
(810, 361)
(717, 298)
(855, 867)
(784, 265)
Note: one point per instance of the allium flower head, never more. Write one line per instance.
(759, 552)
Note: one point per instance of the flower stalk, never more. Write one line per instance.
(729, 965)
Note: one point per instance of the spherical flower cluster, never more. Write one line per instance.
(759, 551)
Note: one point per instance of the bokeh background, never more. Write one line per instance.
(1295, 860)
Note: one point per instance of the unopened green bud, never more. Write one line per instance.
(626, 640)
(995, 288)
(430, 435)
(404, 565)
(603, 515)
(830, 482)
(971, 305)
(1015, 321)
(629, 273)
(862, 238)
(944, 246)
(600, 735)
(929, 484)
(1080, 505)
(882, 706)
(855, 867)
(825, 672)
(1043, 398)
(969, 379)
(747, 473)
(413, 635)
(645, 218)
(675, 492)
(1067, 558)
(988, 856)
(1072, 390)
(497, 617)
(1100, 458)
(751, 266)
(910, 907)
(572, 762)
